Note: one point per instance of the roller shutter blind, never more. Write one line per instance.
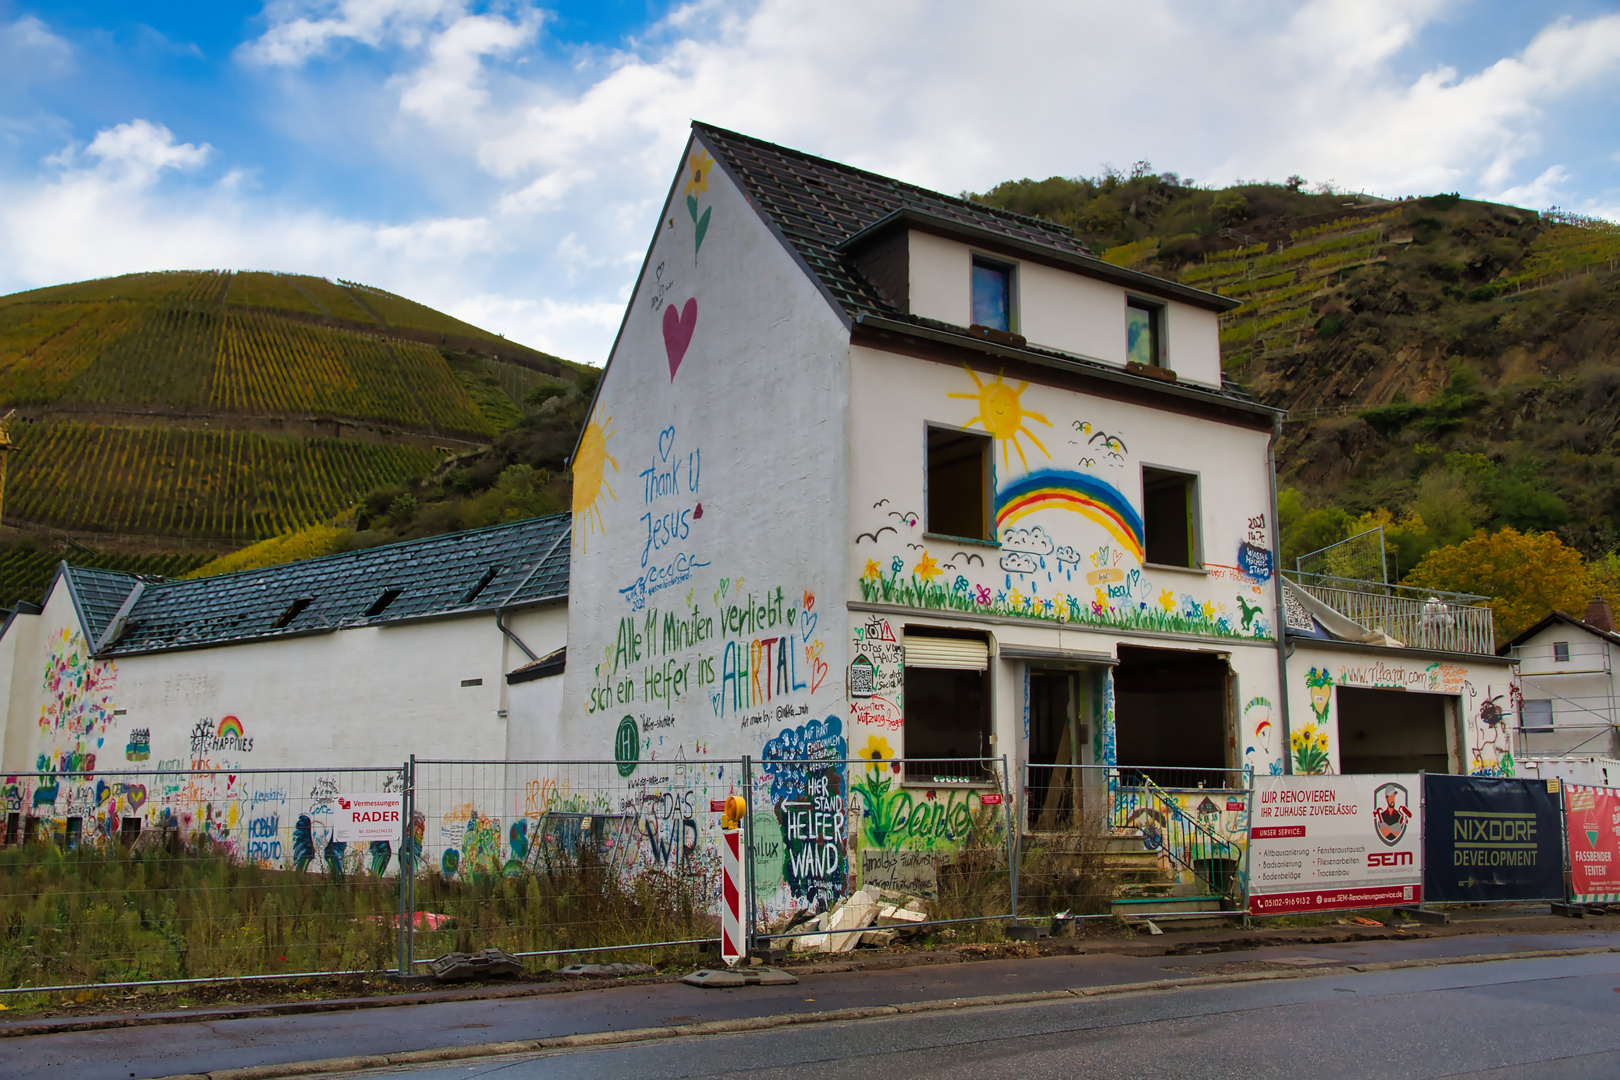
(956, 654)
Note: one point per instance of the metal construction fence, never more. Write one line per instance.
(178, 875)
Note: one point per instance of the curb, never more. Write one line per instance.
(828, 1016)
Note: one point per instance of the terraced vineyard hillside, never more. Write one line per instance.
(166, 417)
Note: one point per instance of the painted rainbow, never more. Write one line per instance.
(230, 726)
(1057, 489)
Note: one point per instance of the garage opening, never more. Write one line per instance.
(1385, 731)
(1171, 713)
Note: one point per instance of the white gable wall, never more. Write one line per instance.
(1581, 689)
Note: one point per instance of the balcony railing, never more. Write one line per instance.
(1417, 618)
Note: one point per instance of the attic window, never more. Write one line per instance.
(481, 584)
(992, 294)
(294, 609)
(379, 605)
(1144, 334)
(1561, 652)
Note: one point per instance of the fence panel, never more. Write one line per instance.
(190, 874)
(556, 857)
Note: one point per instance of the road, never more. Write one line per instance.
(1516, 1018)
(1304, 1009)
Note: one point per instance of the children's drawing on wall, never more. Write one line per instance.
(697, 182)
(1098, 446)
(1259, 753)
(876, 676)
(678, 328)
(1492, 753)
(671, 483)
(1310, 743)
(591, 462)
(1002, 414)
(78, 705)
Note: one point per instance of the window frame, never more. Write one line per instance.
(1158, 311)
(987, 479)
(1194, 482)
(1560, 652)
(992, 262)
(918, 775)
(1524, 716)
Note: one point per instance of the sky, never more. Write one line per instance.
(506, 161)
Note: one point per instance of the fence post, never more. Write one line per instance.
(749, 916)
(1013, 814)
(404, 870)
(414, 854)
(1248, 840)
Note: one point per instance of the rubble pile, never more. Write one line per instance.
(872, 917)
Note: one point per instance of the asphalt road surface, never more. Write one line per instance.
(1518, 1018)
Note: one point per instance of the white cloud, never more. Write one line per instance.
(546, 172)
(28, 49)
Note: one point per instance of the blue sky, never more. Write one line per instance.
(504, 161)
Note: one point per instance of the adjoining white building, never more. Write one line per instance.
(1567, 720)
(449, 646)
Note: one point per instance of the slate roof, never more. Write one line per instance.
(817, 206)
(460, 573)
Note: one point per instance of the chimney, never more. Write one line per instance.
(1598, 615)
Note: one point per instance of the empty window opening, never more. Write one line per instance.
(947, 705)
(992, 294)
(1537, 715)
(1143, 333)
(129, 831)
(30, 829)
(481, 584)
(379, 605)
(294, 609)
(1170, 517)
(472, 682)
(73, 832)
(1561, 651)
(1171, 714)
(13, 828)
(1391, 731)
(958, 484)
(1053, 741)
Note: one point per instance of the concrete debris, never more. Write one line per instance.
(721, 978)
(891, 916)
(1152, 927)
(488, 964)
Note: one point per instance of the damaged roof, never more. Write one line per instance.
(479, 570)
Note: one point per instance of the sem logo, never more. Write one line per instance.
(1390, 814)
(627, 746)
(1389, 858)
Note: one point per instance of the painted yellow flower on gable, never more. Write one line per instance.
(873, 570)
(1167, 599)
(927, 568)
(698, 172)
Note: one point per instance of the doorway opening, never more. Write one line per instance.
(1392, 731)
(1172, 715)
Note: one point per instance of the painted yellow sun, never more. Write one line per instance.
(1002, 414)
(590, 477)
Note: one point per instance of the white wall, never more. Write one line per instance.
(1477, 685)
(705, 583)
(1060, 309)
(1581, 689)
(1092, 575)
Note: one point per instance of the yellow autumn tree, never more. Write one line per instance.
(1525, 575)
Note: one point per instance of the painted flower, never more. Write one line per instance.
(698, 167)
(873, 570)
(876, 749)
(1098, 608)
(961, 584)
(981, 594)
(1167, 599)
(926, 567)
(1209, 609)
(898, 565)
(1015, 599)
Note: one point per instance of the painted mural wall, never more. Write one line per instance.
(1484, 692)
(705, 613)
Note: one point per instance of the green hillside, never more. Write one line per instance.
(1449, 365)
(159, 416)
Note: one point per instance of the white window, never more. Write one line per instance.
(1144, 332)
(1561, 651)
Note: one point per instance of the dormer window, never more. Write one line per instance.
(1144, 332)
(992, 294)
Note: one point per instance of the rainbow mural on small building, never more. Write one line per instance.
(1059, 489)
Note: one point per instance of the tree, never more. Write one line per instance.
(1525, 575)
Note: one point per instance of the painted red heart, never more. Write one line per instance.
(678, 327)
